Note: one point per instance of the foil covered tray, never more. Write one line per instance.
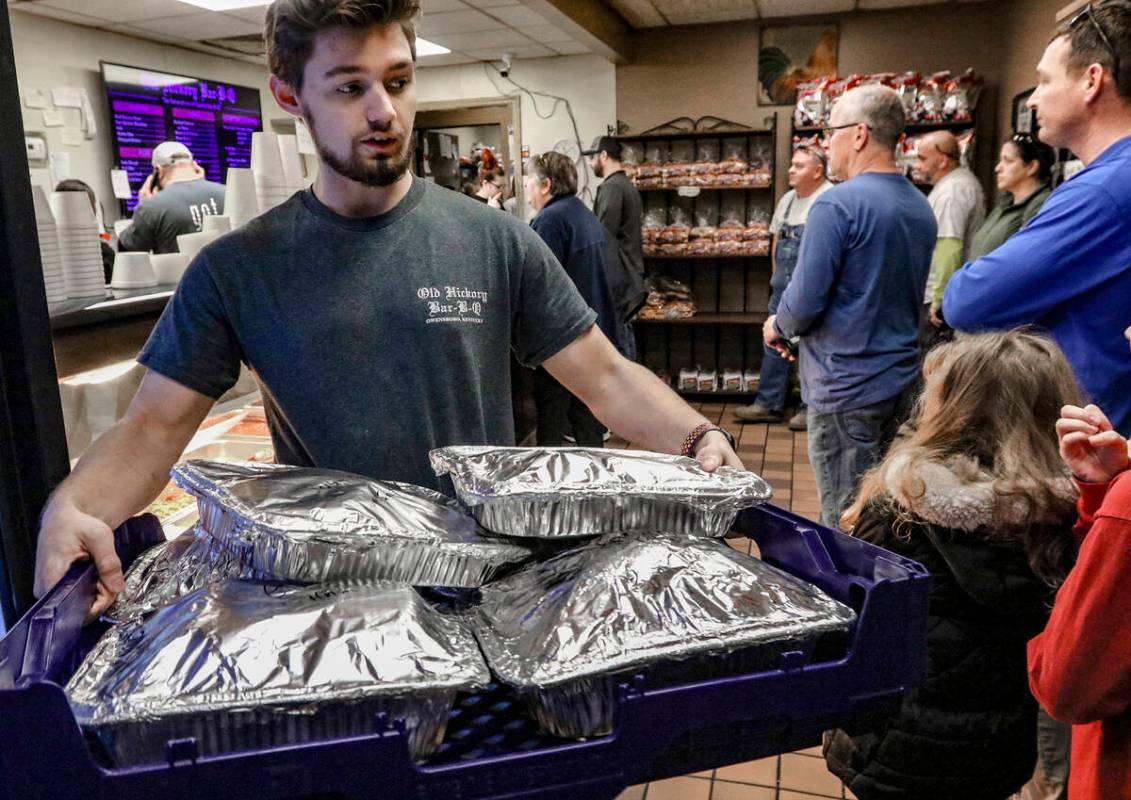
(317, 525)
(574, 491)
(680, 608)
(173, 569)
(240, 665)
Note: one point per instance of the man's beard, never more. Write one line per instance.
(599, 170)
(383, 172)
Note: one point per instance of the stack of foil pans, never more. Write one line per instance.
(678, 608)
(240, 665)
(318, 525)
(568, 492)
(172, 569)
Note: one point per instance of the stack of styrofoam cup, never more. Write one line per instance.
(133, 271)
(169, 267)
(292, 164)
(215, 224)
(78, 244)
(53, 281)
(267, 164)
(189, 244)
(240, 202)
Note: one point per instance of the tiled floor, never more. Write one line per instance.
(779, 456)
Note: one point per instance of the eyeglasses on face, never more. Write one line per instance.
(829, 129)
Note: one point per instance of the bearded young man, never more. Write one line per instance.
(377, 312)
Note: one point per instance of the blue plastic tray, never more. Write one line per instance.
(491, 750)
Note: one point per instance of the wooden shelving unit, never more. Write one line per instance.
(731, 290)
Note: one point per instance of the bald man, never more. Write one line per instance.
(959, 205)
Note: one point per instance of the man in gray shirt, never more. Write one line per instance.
(178, 203)
(959, 205)
(377, 311)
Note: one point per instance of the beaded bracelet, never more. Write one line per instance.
(698, 433)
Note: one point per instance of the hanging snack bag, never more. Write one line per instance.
(962, 97)
(931, 98)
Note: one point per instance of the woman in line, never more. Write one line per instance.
(974, 490)
(1024, 177)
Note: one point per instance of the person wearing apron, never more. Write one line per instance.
(807, 181)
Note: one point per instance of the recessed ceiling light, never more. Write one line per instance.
(226, 5)
(427, 48)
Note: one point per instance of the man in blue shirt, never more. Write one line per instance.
(1069, 269)
(856, 297)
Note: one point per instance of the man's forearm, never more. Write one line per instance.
(122, 471)
(636, 405)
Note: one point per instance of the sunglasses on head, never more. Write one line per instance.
(1088, 12)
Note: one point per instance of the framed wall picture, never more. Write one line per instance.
(1024, 118)
(789, 55)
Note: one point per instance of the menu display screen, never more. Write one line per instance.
(214, 120)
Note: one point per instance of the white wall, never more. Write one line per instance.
(588, 82)
(52, 53)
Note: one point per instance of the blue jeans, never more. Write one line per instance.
(843, 445)
(773, 381)
(628, 341)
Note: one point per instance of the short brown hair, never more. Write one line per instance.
(559, 170)
(1089, 34)
(293, 24)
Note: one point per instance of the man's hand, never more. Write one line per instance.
(68, 535)
(714, 451)
(146, 191)
(1092, 450)
(936, 320)
(774, 339)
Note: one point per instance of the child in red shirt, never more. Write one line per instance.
(1080, 667)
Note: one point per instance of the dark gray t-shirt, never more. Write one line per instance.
(374, 340)
(178, 208)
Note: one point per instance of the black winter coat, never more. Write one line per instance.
(969, 731)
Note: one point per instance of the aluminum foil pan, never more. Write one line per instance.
(319, 526)
(679, 608)
(173, 569)
(573, 491)
(241, 665)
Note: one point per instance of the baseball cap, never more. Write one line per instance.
(168, 153)
(606, 143)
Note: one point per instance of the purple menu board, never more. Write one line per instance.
(214, 120)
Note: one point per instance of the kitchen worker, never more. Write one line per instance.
(377, 311)
(175, 199)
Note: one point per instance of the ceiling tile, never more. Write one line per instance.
(55, 13)
(517, 16)
(124, 10)
(701, 11)
(794, 8)
(257, 15)
(504, 37)
(469, 21)
(196, 27)
(525, 51)
(877, 4)
(492, 3)
(546, 34)
(445, 60)
(639, 13)
(439, 6)
(569, 48)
